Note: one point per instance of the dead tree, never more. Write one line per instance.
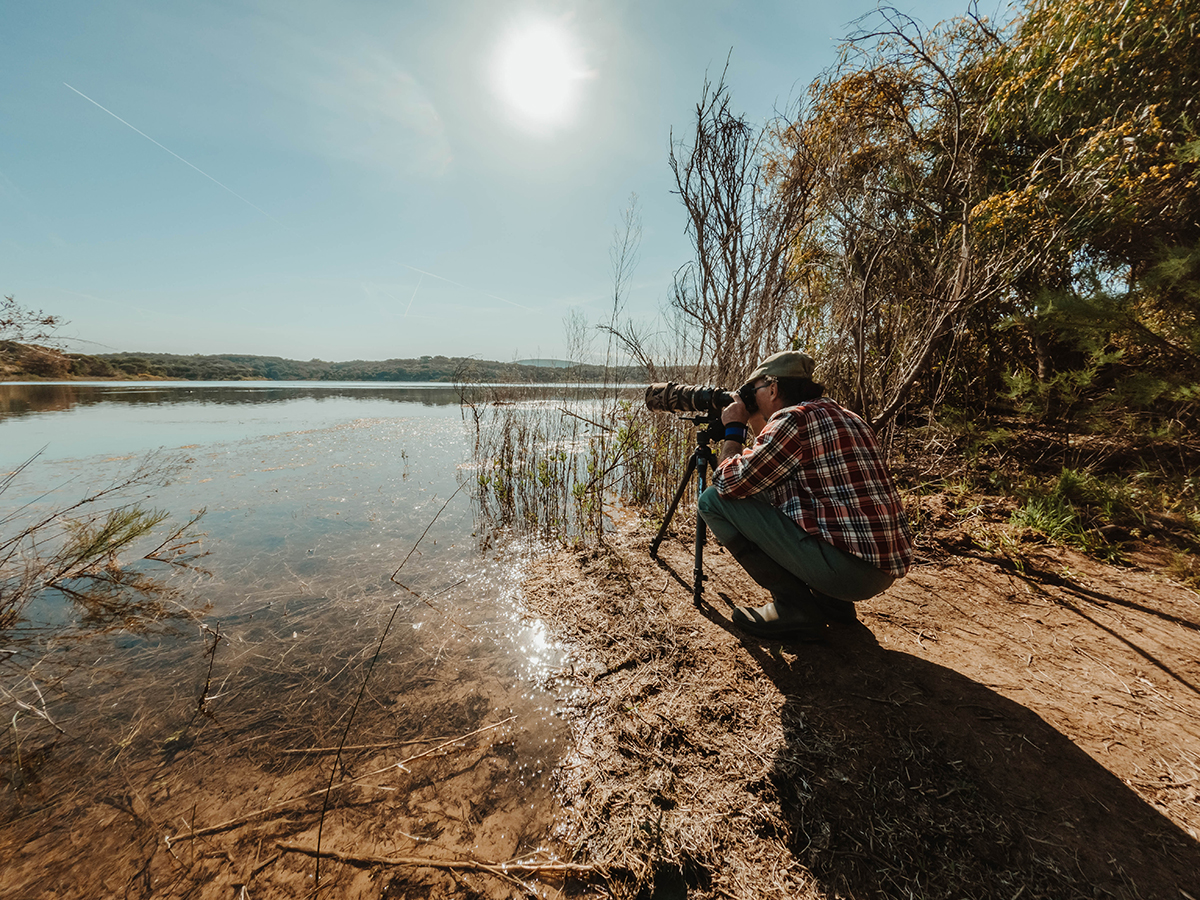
(737, 293)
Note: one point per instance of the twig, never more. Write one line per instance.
(426, 531)
(473, 865)
(423, 599)
(567, 412)
(266, 810)
(212, 658)
(457, 740)
(1160, 784)
(33, 709)
(315, 750)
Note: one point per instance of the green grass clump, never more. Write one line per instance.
(1073, 510)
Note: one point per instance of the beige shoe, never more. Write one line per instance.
(771, 621)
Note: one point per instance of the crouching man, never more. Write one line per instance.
(809, 509)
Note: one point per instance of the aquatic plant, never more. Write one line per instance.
(76, 550)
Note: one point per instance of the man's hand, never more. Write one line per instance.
(735, 412)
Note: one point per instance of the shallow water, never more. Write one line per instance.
(314, 495)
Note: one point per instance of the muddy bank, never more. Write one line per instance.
(993, 728)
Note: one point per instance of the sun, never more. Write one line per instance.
(538, 71)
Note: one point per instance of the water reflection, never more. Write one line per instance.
(24, 398)
(17, 399)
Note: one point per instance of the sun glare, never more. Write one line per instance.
(538, 72)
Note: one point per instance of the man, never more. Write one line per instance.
(809, 509)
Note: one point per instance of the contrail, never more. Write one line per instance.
(485, 293)
(177, 156)
(414, 296)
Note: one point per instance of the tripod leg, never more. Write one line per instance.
(701, 530)
(658, 538)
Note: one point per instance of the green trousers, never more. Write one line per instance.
(817, 563)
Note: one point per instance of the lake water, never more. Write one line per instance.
(314, 494)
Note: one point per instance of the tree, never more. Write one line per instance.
(1096, 155)
(737, 294)
(890, 263)
(26, 326)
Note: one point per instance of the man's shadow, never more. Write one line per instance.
(902, 778)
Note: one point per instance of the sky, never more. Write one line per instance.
(366, 180)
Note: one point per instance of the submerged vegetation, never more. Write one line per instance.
(92, 552)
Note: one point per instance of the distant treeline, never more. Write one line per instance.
(17, 360)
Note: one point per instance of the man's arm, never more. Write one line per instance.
(730, 448)
(734, 414)
(779, 447)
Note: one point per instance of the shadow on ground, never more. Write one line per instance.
(900, 777)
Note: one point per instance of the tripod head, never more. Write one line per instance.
(708, 427)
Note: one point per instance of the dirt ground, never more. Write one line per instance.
(1000, 724)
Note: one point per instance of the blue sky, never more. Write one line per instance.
(358, 180)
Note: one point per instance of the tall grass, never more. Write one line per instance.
(559, 464)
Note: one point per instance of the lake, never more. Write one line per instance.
(297, 641)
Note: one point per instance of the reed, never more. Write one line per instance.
(561, 466)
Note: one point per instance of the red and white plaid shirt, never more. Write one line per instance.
(820, 464)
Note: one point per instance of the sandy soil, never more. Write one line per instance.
(1000, 724)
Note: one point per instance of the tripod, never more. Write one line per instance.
(708, 429)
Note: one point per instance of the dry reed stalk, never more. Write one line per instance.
(276, 807)
(471, 865)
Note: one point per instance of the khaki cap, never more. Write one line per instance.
(784, 364)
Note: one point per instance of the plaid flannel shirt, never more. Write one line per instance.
(820, 465)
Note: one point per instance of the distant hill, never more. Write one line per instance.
(19, 361)
(547, 363)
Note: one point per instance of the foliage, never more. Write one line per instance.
(76, 551)
(1092, 115)
(1094, 154)
(890, 262)
(1016, 202)
(21, 359)
(1071, 511)
(18, 323)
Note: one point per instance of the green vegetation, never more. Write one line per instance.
(76, 550)
(25, 360)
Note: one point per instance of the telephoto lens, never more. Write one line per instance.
(684, 398)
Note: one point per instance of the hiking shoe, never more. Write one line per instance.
(838, 612)
(771, 621)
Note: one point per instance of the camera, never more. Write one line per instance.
(695, 398)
